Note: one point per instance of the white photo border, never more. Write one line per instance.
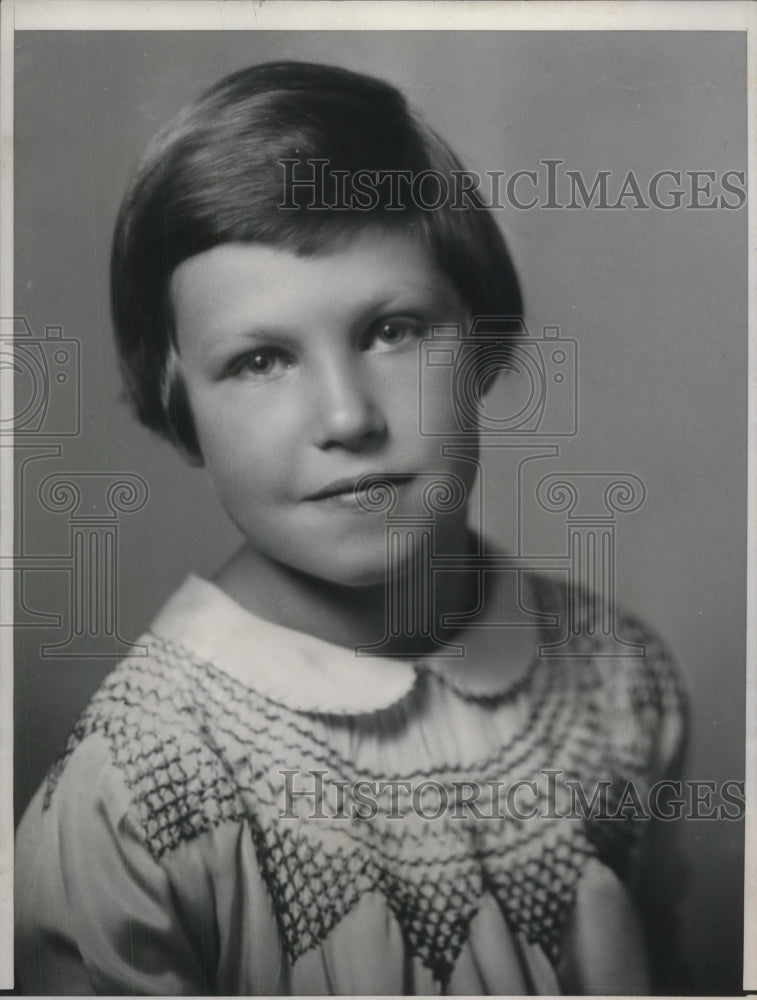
(452, 15)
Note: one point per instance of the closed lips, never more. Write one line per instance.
(348, 487)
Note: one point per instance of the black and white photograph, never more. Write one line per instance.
(375, 540)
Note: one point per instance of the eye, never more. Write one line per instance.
(260, 363)
(396, 332)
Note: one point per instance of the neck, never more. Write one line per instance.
(343, 615)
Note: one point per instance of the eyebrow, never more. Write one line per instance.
(390, 299)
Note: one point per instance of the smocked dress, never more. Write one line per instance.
(247, 809)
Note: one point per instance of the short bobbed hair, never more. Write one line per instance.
(214, 175)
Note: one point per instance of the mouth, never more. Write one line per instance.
(348, 490)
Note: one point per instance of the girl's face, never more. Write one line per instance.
(303, 375)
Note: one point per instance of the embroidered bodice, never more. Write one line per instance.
(401, 825)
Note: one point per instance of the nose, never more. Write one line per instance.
(348, 413)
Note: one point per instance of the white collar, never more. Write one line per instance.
(308, 674)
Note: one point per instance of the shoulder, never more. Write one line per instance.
(96, 904)
(92, 796)
(148, 738)
(633, 681)
(657, 692)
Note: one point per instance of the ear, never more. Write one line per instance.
(490, 379)
(178, 414)
(492, 366)
(191, 458)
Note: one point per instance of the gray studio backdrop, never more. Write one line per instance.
(656, 301)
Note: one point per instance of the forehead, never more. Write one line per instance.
(237, 284)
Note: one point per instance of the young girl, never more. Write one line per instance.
(290, 793)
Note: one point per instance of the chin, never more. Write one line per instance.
(354, 567)
(353, 573)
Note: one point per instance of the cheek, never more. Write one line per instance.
(248, 454)
(434, 411)
(411, 400)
